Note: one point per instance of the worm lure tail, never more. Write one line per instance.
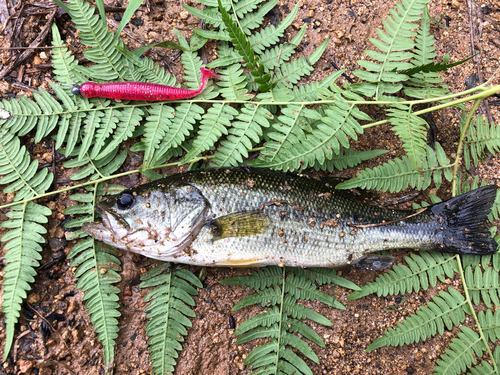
(141, 90)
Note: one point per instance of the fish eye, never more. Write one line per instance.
(125, 201)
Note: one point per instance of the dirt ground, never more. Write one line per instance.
(209, 348)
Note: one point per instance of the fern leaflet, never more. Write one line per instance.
(395, 39)
(98, 265)
(168, 306)
(22, 256)
(398, 174)
(446, 311)
(424, 271)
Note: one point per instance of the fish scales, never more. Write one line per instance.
(254, 217)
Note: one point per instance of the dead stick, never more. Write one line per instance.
(26, 54)
(385, 222)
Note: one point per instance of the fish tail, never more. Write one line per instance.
(462, 221)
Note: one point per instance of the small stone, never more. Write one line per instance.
(184, 15)
(310, 13)
(37, 60)
(25, 366)
(59, 233)
(33, 298)
(44, 56)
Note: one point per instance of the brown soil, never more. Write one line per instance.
(209, 348)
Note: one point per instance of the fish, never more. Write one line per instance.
(252, 217)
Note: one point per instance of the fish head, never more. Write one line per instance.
(154, 220)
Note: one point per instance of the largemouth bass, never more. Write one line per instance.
(256, 217)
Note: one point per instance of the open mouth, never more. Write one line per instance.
(115, 227)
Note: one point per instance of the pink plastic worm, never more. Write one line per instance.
(140, 90)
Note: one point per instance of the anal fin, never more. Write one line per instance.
(373, 262)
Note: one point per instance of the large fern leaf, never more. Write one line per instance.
(397, 175)
(411, 130)
(394, 44)
(423, 272)
(98, 265)
(279, 291)
(168, 306)
(481, 136)
(22, 256)
(19, 171)
(293, 145)
(424, 85)
(93, 33)
(446, 311)
(460, 356)
(243, 134)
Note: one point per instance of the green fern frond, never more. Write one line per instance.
(98, 265)
(271, 34)
(226, 57)
(347, 158)
(279, 292)
(233, 83)
(412, 130)
(397, 175)
(63, 61)
(147, 69)
(128, 119)
(22, 243)
(243, 134)
(95, 169)
(395, 39)
(446, 311)
(483, 285)
(214, 123)
(244, 48)
(485, 368)
(460, 356)
(258, 280)
(481, 136)
(323, 276)
(424, 84)
(94, 33)
(490, 324)
(155, 128)
(291, 73)
(186, 115)
(294, 146)
(253, 20)
(169, 309)
(19, 171)
(274, 57)
(424, 270)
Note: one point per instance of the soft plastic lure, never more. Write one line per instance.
(140, 90)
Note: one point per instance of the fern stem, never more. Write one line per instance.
(471, 307)
(281, 318)
(461, 144)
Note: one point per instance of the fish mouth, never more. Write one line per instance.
(113, 228)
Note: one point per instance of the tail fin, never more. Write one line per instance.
(207, 74)
(463, 222)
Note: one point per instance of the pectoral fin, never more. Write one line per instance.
(239, 224)
(373, 262)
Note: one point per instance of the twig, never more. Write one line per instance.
(20, 48)
(26, 54)
(385, 222)
(51, 327)
(477, 58)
